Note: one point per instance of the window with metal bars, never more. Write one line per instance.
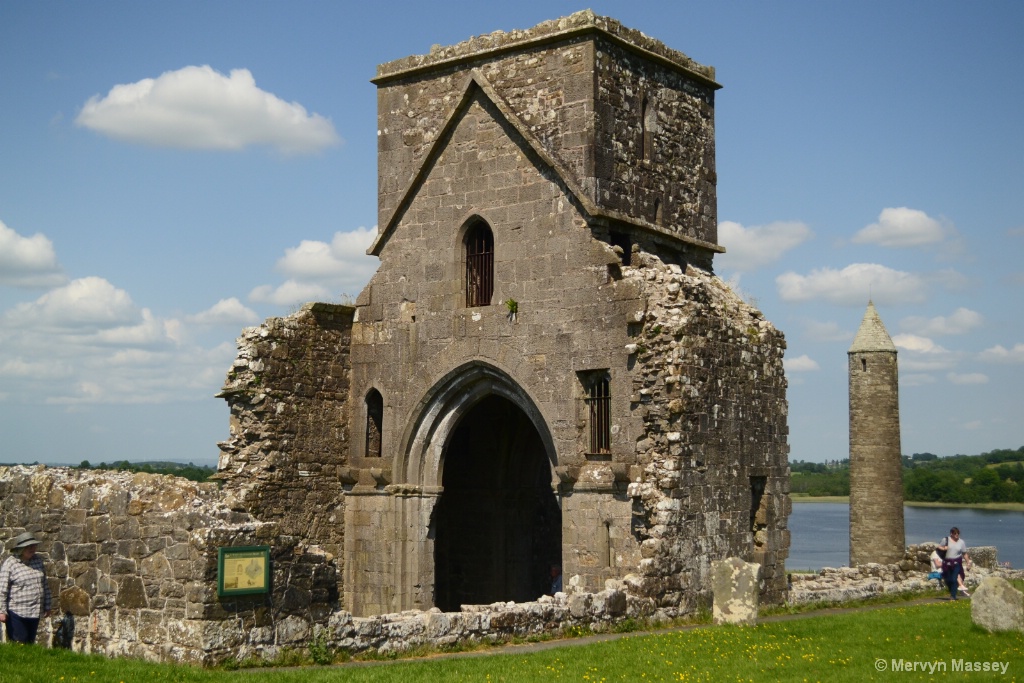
(598, 402)
(479, 265)
(374, 420)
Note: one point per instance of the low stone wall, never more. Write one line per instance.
(843, 584)
(500, 621)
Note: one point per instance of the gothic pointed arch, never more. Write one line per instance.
(422, 455)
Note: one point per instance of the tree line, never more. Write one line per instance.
(189, 471)
(994, 477)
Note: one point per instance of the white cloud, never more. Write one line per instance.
(149, 331)
(918, 344)
(226, 312)
(751, 248)
(853, 285)
(38, 370)
(88, 343)
(901, 227)
(921, 354)
(289, 294)
(199, 108)
(967, 378)
(86, 304)
(802, 363)
(342, 263)
(961, 321)
(322, 272)
(1000, 354)
(28, 261)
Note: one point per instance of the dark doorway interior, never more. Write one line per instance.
(498, 526)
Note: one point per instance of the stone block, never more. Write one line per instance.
(997, 606)
(735, 588)
(986, 556)
(131, 593)
(74, 601)
(80, 552)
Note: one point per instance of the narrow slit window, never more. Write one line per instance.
(757, 487)
(598, 402)
(648, 122)
(374, 421)
(479, 265)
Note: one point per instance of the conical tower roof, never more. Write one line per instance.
(872, 335)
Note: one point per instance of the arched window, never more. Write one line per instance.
(479, 265)
(374, 421)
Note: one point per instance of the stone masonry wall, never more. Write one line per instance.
(876, 463)
(285, 460)
(658, 164)
(709, 383)
(581, 92)
(131, 561)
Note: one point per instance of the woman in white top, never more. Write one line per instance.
(952, 565)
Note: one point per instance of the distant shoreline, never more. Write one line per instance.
(1015, 507)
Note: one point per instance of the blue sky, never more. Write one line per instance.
(173, 172)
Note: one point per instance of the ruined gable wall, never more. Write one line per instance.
(711, 388)
(286, 457)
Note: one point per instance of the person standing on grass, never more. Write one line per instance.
(952, 564)
(24, 592)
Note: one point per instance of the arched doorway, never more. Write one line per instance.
(497, 526)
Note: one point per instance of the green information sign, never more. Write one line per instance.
(243, 570)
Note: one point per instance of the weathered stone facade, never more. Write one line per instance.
(132, 564)
(543, 373)
(876, 462)
(586, 153)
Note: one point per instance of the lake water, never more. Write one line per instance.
(820, 532)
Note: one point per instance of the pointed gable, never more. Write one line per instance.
(477, 85)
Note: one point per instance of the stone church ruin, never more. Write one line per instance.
(544, 371)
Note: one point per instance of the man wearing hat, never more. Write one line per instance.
(24, 593)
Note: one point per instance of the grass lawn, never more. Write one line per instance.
(848, 646)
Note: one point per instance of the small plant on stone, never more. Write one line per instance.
(320, 648)
(513, 309)
(577, 631)
(628, 625)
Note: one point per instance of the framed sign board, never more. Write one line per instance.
(243, 570)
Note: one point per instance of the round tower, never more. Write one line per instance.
(876, 467)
